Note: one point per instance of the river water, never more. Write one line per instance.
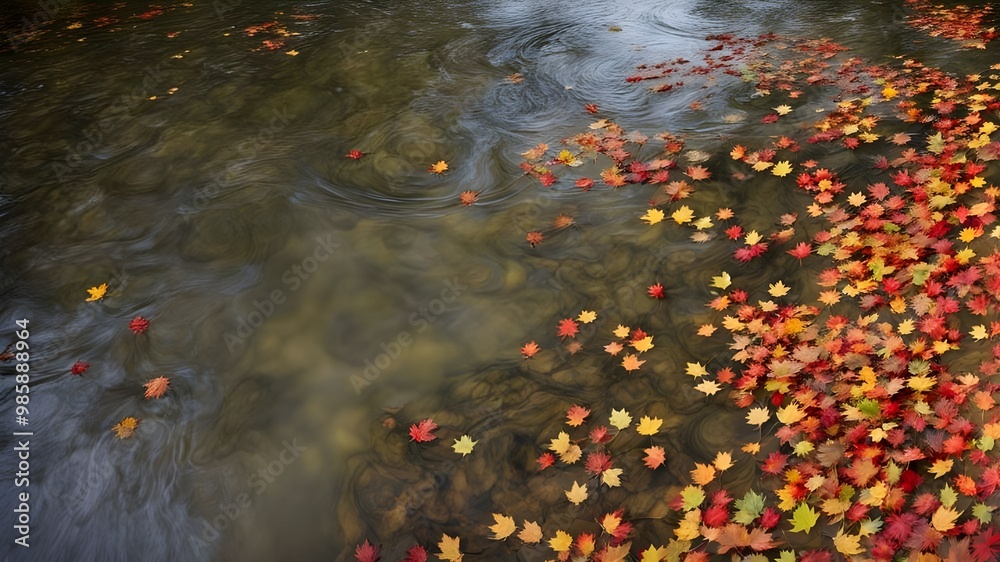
(303, 302)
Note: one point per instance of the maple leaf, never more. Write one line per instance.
(683, 215)
(421, 432)
(612, 477)
(79, 367)
(722, 281)
(653, 216)
(587, 316)
(439, 167)
(366, 552)
(696, 370)
(464, 445)
(847, 544)
(702, 474)
(782, 169)
(567, 328)
(691, 497)
(706, 330)
(576, 414)
(449, 549)
(531, 532)
(655, 457)
(944, 518)
(125, 428)
(138, 325)
(631, 362)
(534, 238)
(656, 291)
(468, 197)
(614, 348)
(620, 419)
(649, 426)
(157, 387)
(979, 332)
(545, 460)
(777, 289)
(529, 349)
(577, 494)
(97, 293)
(416, 553)
(355, 154)
(590, 108)
(804, 518)
(644, 344)
(504, 527)
(698, 173)
(801, 250)
(708, 387)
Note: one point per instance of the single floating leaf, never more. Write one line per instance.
(464, 446)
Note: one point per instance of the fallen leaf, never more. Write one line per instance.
(125, 428)
(504, 527)
(157, 387)
(439, 167)
(464, 446)
(97, 293)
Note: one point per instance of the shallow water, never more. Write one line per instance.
(275, 271)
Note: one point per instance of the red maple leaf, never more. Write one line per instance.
(355, 154)
(576, 414)
(421, 432)
(984, 546)
(774, 463)
(590, 108)
(801, 250)
(585, 183)
(79, 367)
(599, 434)
(715, 516)
(567, 328)
(416, 553)
(138, 325)
(656, 291)
(366, 552)
(545, 460)
(597, 462)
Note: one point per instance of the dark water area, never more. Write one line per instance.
(299, 299)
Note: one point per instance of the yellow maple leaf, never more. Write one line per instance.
(504, 527)
(921, 383)
(751, 448)
(649, 426)
(620, 419)
(762, 165)
(653, 554)
(439, 167)
(561, 542)
(758, 415)
(941, 467)
(830, 298)
(612, 477)
(560, 444)
(689, 527)
(790, 414)
(702, 474)
(708, 387)
(653, 216)
(587, 316)
(577, 494)
(449, 549)
(857, 199)
(464, 446)
(683, 215)
(723, 461)
(944, 518)
(125, 428)
(531, 533)
(778, 289)
(783, 109)
(906, 327)
(979, 332)
(621, 331)
(645, 344)
(848, 545)
(782, 169)
(703, 223)
(722, 281)
(696, 370)
(752, 238)
(889, 92)
(97, 293)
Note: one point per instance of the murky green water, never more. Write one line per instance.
(297, 296)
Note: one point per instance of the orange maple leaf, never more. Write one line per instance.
(631, 362)
(698, 173)
(529, 349)
(438, 168)
(468, 197)
(157, 387)
(125, 428)
(655, 456)
(576, 415)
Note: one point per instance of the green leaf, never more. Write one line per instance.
(749, 508)
(869, 407)
(985, 443)
(804, 518)
(893, 472)
(891, 227)
(870, 527)
(692, 496)
(935, 143)
(948, 496)
(846, 493)
(826, 249)
(785, 556)
(983, 512)
(921, 272)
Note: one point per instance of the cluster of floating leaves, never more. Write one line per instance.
(960, 23)
(155, 387)
(864, 425)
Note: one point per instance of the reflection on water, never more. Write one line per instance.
(202, 175)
